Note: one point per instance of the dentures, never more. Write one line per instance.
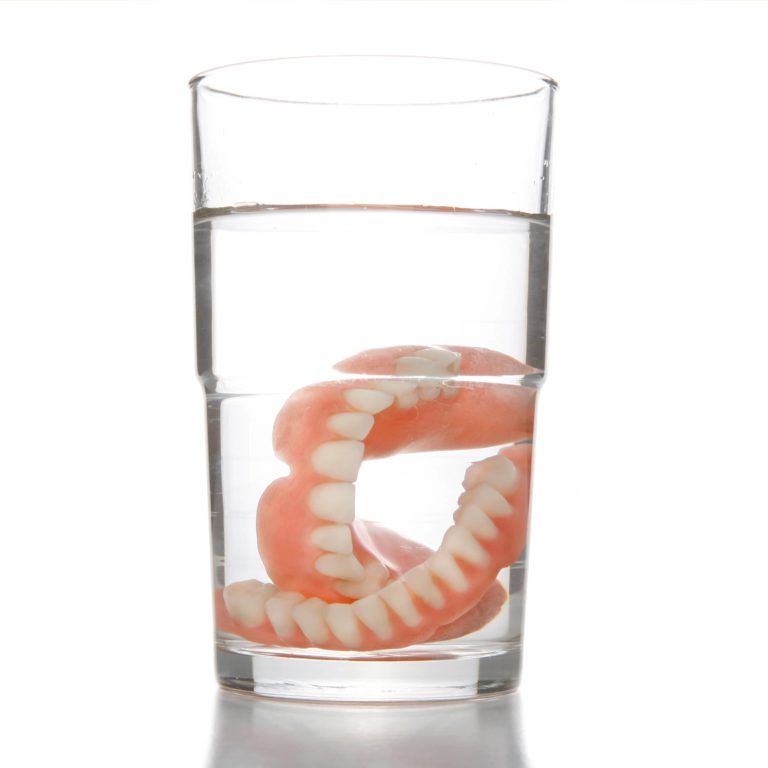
(342, 584)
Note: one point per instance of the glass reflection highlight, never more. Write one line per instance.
(260, 733)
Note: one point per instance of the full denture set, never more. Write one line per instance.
(341, 583)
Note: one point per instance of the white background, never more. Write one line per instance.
(646, 628)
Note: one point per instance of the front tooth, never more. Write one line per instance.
(498, 471)
(333, 501)
(336, 566)
(419, 581)
(245, 601)
(344, 624)
(368, 400)
(398, 598)
(339, 459)
(448, 360)
(443, 565)
(429, 393)
(373, 613)
(418, 366)
(353, 425)
(488, 499)
(333, 538)
(279, 610)
(375, 575)
(309, 615)
(461, 543)
(476, 521)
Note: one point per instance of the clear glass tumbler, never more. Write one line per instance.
(371, 256)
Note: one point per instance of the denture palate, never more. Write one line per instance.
(348, 584)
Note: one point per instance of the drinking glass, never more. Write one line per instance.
(371, 260)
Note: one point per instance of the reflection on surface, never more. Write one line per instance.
(260, 733)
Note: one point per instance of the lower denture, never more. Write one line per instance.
(342, 584)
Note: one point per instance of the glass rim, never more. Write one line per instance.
(538, 80)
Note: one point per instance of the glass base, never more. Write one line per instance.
(418, 674)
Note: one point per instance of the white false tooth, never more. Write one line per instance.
(398, 598)
(245, 601)
(396, 387)
(279, 610)
(345, 567)
(498, 471)
(408, 400)
(476, 521)
(333, 501)
(449, 360)
(375, 576)
(310, 616)
(419, 581)
(353, 425)
(462, 544)
(418, 366)
(373, 613)
(429, 393)
(333, 538)
(368, 400)
(449, 392)
(344, 624)
(442, 564)
(339, 459)
(488, 499)
(405, 392)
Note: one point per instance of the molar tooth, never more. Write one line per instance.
(404, 391)
(336, 566)
(245, 601)
(333, 538)
(279, 610)
(333, 501)
(408, 400)
(375, 575)
(344, 624)
(353, 425)
(368, 400)
(419, 581)
(339, 459)
(498, 471)
(309, 615)
(418, 366)
(443, 565)
(488, 499)
(445, 357)
(396, 386)
(398, 598)
(476, 521)
(373, 613)
(429, 392)
(449, 392)
(461, 543)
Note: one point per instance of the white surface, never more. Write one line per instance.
(646, 630)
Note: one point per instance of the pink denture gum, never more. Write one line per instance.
(343, 584)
